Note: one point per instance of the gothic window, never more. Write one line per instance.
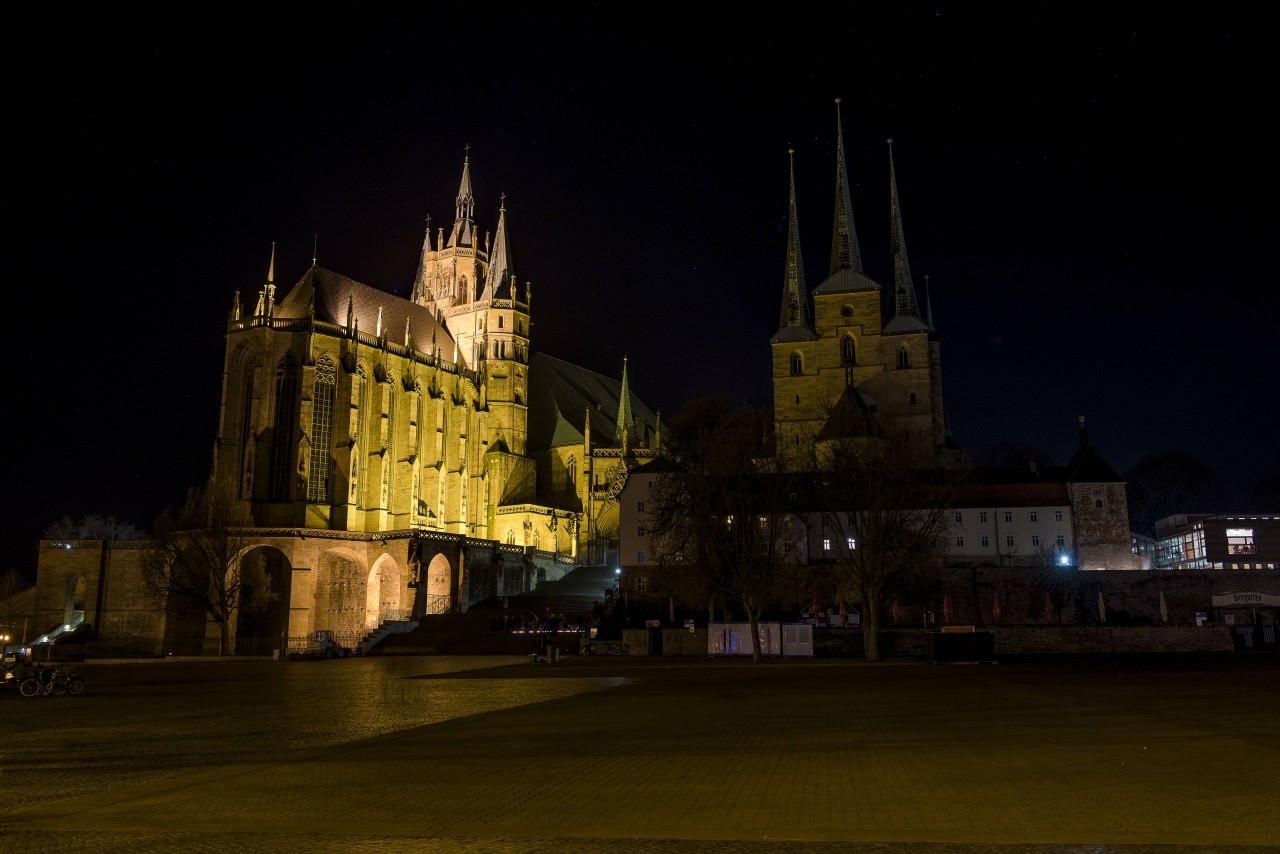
(282, 438)
(797, 365)
(904, 359)
(848, 351)
(510, 537)
(499, 321)
(573, 472)
(246, 430)
(357, 446)
(321, 431)
(389, 455)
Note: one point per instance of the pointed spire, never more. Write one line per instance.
(267, 296)
(795, 295)
(419, 291)
(845, 252)
(464, 206)
(906, 310)
(407, 337)
(351, 311)
(624, 409)
(501, 271)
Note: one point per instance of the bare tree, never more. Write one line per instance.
(197, 557)
(1166, 483)
(887, 521)
(724, 515)
(93, 527)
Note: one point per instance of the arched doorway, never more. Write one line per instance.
(438, 577)
(262, 618)
(382, 594)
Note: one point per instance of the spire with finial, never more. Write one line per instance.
(419, 293)
(623, 428)
(794, 323)
(845, 252)
(497, 283)
(463, 226)
(906, 310)
(267, 296)
(1084, 434)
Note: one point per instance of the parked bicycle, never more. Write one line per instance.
(51, 681)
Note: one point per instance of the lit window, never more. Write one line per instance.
(826, 545)
(851, 543)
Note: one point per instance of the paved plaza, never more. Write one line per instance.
(1171, 754)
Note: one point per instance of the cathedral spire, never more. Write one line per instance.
(501, 272)
(906, 310)
(623, 429)
(464, 207)
(419, 293)
(845, 252)
(267, 296)
(795, 296)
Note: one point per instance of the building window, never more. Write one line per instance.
(639, 557)
(1062, 541)
(1035, 539)
(959, 517)
(639, 506)
(826, 545)
(797, 367)
(904, 358)
(321, 431)
(786, 548)
(1035, 516)
(1240, 541)
(1057, 515)
(982, 517)
(1008, 515)
(282, 438)
(959, 541)
(640, 531)
(642, 583)
(1097, 502)
(985, 541)
(510, 537)
(848, 351)
(499, 321)
(851, 543)
(1008, 541)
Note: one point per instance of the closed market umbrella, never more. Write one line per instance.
(1164, 609)
(895, 611)
(1048, 607)
(995, 607)
(1102, 608)
(946, 608)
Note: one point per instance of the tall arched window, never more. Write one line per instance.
(848, 351)
(797, 365)
(389, 449)
(283, 426)
(357, 441)
(573, 472)
(321, 431)
(904, 358)
(246, 432)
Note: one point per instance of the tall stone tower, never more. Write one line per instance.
(851, 370)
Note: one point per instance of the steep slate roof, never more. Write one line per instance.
(335, 293)
(560, 395)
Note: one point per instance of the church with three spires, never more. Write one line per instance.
(839, 364)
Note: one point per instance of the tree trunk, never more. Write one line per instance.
(224, 638)
(870, 624)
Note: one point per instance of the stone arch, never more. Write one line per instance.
(73, 601)
(339, 588)
(259, 627)
(382, 593)
(437, 578)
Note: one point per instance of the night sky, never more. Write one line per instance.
(1089, 190)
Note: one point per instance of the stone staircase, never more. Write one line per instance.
(479, 631)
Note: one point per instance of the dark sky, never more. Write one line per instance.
(1089, 190)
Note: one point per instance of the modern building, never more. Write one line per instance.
(1218, 541)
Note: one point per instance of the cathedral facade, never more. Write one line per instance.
(396, 457)
(841, 361)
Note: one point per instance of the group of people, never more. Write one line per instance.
(25, 668)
